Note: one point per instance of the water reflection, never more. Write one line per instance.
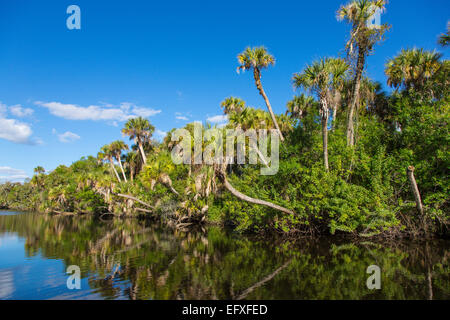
(131, 259)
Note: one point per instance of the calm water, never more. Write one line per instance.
(131, 259)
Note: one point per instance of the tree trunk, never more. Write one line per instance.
(325, 141)
(257, 76)
(141, 149)
(131, 173)
(165, 180)
(236, 193)
(415, 189)
(261, 156)
(337, 100)
(334, 116)
(133, 198)
(355, 98)
(121, 168)
(111, 162)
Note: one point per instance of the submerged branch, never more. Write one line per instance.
(246, 292)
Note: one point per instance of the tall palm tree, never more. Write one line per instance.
(141, 131)
(132, 161)
(412, 68)
(321, 78)
(107, 154)
(38, 179)
(232, 105)
(116, 148)
(444, 39)
(362, 40)
(339, 69)
(257, 59)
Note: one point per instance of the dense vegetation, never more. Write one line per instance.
(353, 158)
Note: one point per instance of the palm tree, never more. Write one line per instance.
(444, 39)
(107, 154)
(38, 179)
(339, 68)
(39, 170)
(257, 59)
(132, 162)
(361, 43)
(116, 148)
(412, 68)
(158, 171)
(321, 78)
(141, 131)
(232, 105)
(298, 107)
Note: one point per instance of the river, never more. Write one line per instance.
(137, 259)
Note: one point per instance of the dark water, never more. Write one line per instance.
(131, 259)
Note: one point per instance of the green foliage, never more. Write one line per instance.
(364, 192)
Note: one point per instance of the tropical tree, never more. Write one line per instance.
(116, 148)
(321, 78)
(140, 130)
(362, 40)
(132, 161)
(444, 39)
(38, 179)
(412, 68)
(106, 154)
(257, 59)
(232, 105)
(339, 70)
(298, 107)
(39, 170)
(255, 119)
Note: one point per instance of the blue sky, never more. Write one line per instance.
(65, 93)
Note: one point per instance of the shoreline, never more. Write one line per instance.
(268, 235)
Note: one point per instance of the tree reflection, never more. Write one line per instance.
(134, 259)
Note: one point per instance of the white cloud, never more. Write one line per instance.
(12, 175)
(144, 112)
(12, 129)
(185, 116)
(218, 119)
(74, 112)
(15, 131)
(9, 170)
(159, 134)
(19, 111)
(68, 136)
